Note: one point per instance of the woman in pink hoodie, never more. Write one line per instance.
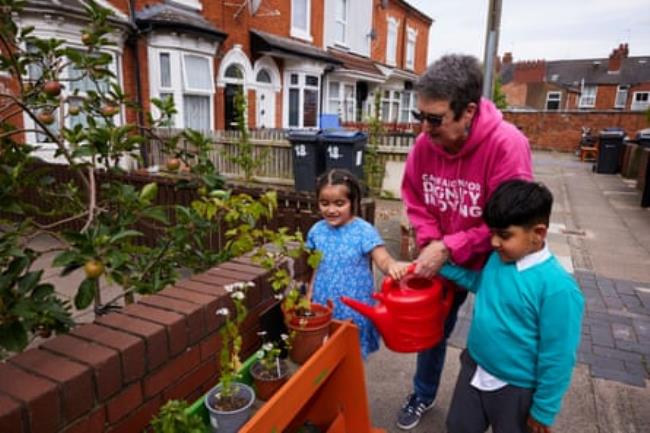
(464, 152)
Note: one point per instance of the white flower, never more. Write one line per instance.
(250, 284)
(278, 296)
(222, 312)
(260, 354)
(238, 295)
(229, 288)
(261, 333)
(284, 337)
(267, 347)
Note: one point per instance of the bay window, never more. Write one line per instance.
(186, 78)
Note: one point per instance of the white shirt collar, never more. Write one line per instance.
(533, 259)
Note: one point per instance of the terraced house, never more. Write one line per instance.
(295, 60)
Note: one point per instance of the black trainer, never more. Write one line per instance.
(410, 414)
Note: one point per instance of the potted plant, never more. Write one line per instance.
(175, 418)
(229, 403)
(270, 372)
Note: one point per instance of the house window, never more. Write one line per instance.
(187, 80)
(640, 101)
(303, 100)
(341, 100)
(340, 27)
(391, 41)
(410, 48)
(263, 76)
(390, 105)
(588, 97)
(406, 106)
(300, 19)
(77, 85)
(553, 101)
(621, 97)
(334, 97)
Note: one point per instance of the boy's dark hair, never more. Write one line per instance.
(340, 176)
(518, 203)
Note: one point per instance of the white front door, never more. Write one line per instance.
(265, 108)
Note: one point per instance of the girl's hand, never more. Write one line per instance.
(535, 426)
(397, 270)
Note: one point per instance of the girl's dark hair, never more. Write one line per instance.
(340, 176)
(518, 203)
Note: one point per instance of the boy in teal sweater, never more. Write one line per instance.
(526, 327)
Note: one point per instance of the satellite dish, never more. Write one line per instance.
(254, 6)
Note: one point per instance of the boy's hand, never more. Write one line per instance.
(397, 270)
(535, 426)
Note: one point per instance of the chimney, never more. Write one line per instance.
(530, 71)
(616, 58)
(507, 58)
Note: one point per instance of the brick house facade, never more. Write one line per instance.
(294, 59)
(619, 82)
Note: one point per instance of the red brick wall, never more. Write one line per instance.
(605, 97)
(530, 72)
(561, 131)
(114, 374)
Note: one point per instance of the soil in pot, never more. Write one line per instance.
(267, 382)
(316, 316)
(229, 420)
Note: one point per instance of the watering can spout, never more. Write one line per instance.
(377, 313)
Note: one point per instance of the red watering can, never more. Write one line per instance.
(411, 312)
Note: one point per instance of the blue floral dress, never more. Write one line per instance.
(345, 270)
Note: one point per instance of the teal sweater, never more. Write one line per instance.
(526, 327)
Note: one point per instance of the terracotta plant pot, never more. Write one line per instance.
(306, 341)
(319, 314)
(267, 383)
(229, 421)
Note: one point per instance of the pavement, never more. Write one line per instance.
(600, 234)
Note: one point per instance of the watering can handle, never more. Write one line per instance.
(388, 282)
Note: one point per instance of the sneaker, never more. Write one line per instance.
(409, 415)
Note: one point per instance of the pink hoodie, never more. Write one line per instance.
(445, 194)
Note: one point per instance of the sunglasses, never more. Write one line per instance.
(431, 119)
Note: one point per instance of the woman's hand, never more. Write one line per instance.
(535, 426)
(397, 270)
(431, 259)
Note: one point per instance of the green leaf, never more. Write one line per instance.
(125, 234)
(149, 192)
(157, 214)
(66, 258)
(85, 294)
(13, 336)
(29, 281)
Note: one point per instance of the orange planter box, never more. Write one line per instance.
(328, 390)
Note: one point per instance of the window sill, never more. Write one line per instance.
(342, 45)
(301, 34)
(192, 4)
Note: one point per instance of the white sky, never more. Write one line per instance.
(534, 29)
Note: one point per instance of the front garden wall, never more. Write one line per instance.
(114, 374)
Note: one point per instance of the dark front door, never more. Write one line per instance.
(231, 91)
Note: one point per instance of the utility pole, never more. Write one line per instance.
(491, 46)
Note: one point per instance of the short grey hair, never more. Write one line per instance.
(456, 78)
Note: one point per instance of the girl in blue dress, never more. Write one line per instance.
(347, 243)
